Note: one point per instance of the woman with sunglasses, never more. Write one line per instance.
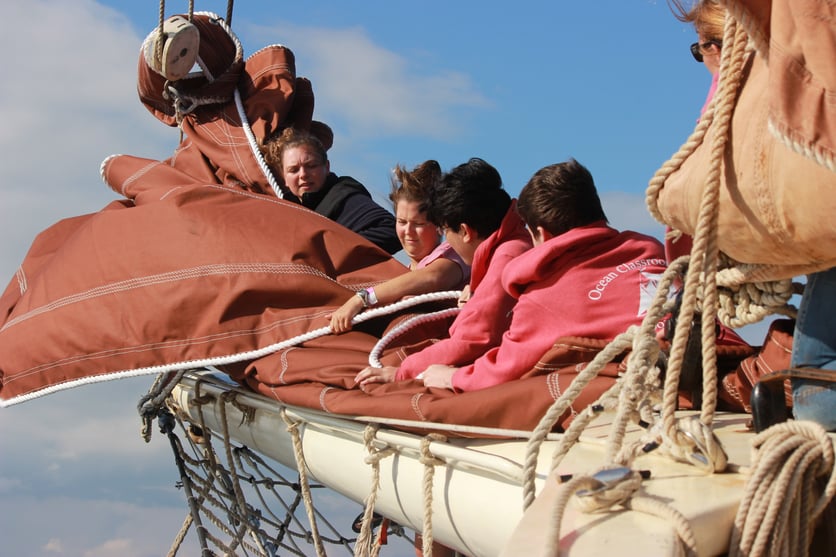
(814, 336)
(708, 18)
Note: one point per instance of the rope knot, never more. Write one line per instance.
(607, 487)
(292, 427)
(694, 442)
(375, 454)
(427, 457)
(369, 517)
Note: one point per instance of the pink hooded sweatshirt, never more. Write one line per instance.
(479, 325)
(592, 281)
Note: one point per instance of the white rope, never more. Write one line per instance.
(302, 468)
(259, 158)
(363, 546)
(409, 324)
(809, 150)
(430, 461)
(559, 406)
(230, 358)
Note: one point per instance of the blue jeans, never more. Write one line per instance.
(814, 346)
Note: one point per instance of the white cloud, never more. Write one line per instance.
(374, 91)
(64, 526)
(628, 211)
(68, 101)
(120, 546)
(54, 546)
(9, 484)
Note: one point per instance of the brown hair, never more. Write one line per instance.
(560, 197)
(415, 185)
(707, 16)
(274, 147)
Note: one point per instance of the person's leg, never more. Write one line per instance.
(814, 346)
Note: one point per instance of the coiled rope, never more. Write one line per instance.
(792, 481)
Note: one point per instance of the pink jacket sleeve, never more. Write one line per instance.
(520, 348)
(478, 327)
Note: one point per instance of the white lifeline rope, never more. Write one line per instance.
(231, 358)
(410, 324)
(245, 124)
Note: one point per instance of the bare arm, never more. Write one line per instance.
(441, 274)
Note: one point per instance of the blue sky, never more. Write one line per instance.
(522, 85)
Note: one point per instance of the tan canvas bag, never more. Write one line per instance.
(776, 206)
(777, 191)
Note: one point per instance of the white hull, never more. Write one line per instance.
(478, 494)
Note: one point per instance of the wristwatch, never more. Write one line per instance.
(364, 295)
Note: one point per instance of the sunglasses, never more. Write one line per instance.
(697, 48)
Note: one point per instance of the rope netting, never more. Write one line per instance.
(241, 503)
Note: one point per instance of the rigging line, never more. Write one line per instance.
(259, 158)
(158, 50)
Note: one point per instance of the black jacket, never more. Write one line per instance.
(347, 202)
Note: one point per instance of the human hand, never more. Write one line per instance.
(464, 296)
(438, 375)
(385, 374)
(341, 318)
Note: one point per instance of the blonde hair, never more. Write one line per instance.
(707, 16)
